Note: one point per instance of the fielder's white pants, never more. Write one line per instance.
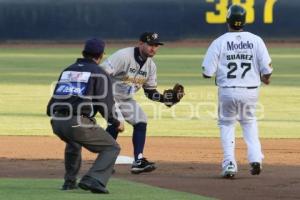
(239, 104)
(129, 110)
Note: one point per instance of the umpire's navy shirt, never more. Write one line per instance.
(84, 82)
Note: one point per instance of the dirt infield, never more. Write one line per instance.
(184, 164)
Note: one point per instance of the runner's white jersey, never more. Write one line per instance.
(237, 59)
(127, 75)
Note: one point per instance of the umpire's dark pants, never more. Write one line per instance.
(83, 131)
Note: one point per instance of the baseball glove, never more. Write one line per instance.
(173, 96)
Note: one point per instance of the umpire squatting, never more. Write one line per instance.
(82, 90)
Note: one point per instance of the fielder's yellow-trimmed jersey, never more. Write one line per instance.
(237, 59)
(128, 76)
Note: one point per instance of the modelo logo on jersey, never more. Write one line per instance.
(231, 46)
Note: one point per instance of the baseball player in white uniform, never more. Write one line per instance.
(133, 68)
(240, 61)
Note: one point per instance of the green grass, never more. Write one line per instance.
(26, 76)
(48, 189)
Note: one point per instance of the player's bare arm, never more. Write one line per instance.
(265, 78)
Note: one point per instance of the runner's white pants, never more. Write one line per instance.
(239, 104)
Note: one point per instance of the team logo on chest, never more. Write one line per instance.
(139, 72)
(231, 46)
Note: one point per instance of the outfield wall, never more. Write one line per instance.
(125, 19)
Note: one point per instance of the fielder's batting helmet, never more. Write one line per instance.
(236, 17)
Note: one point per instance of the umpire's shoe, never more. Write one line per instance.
(89, 183)
(142, 165)
(255, 168)
(69, 185)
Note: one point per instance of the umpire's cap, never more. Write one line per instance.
(236, 17)
(94, 46)
(151, 38)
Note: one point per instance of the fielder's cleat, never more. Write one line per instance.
(142, 165)
(69, 185)
(255, 168)
(89, 183)
(229, 171)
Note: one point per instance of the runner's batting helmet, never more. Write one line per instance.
(236, 17)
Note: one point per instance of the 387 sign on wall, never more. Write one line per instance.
(218, 15)
(173, 19)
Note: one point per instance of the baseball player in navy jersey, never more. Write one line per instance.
(240, 61)
(133, 68)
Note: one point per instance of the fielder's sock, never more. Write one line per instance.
(113, 131)
(139, 138)
(140, 156)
